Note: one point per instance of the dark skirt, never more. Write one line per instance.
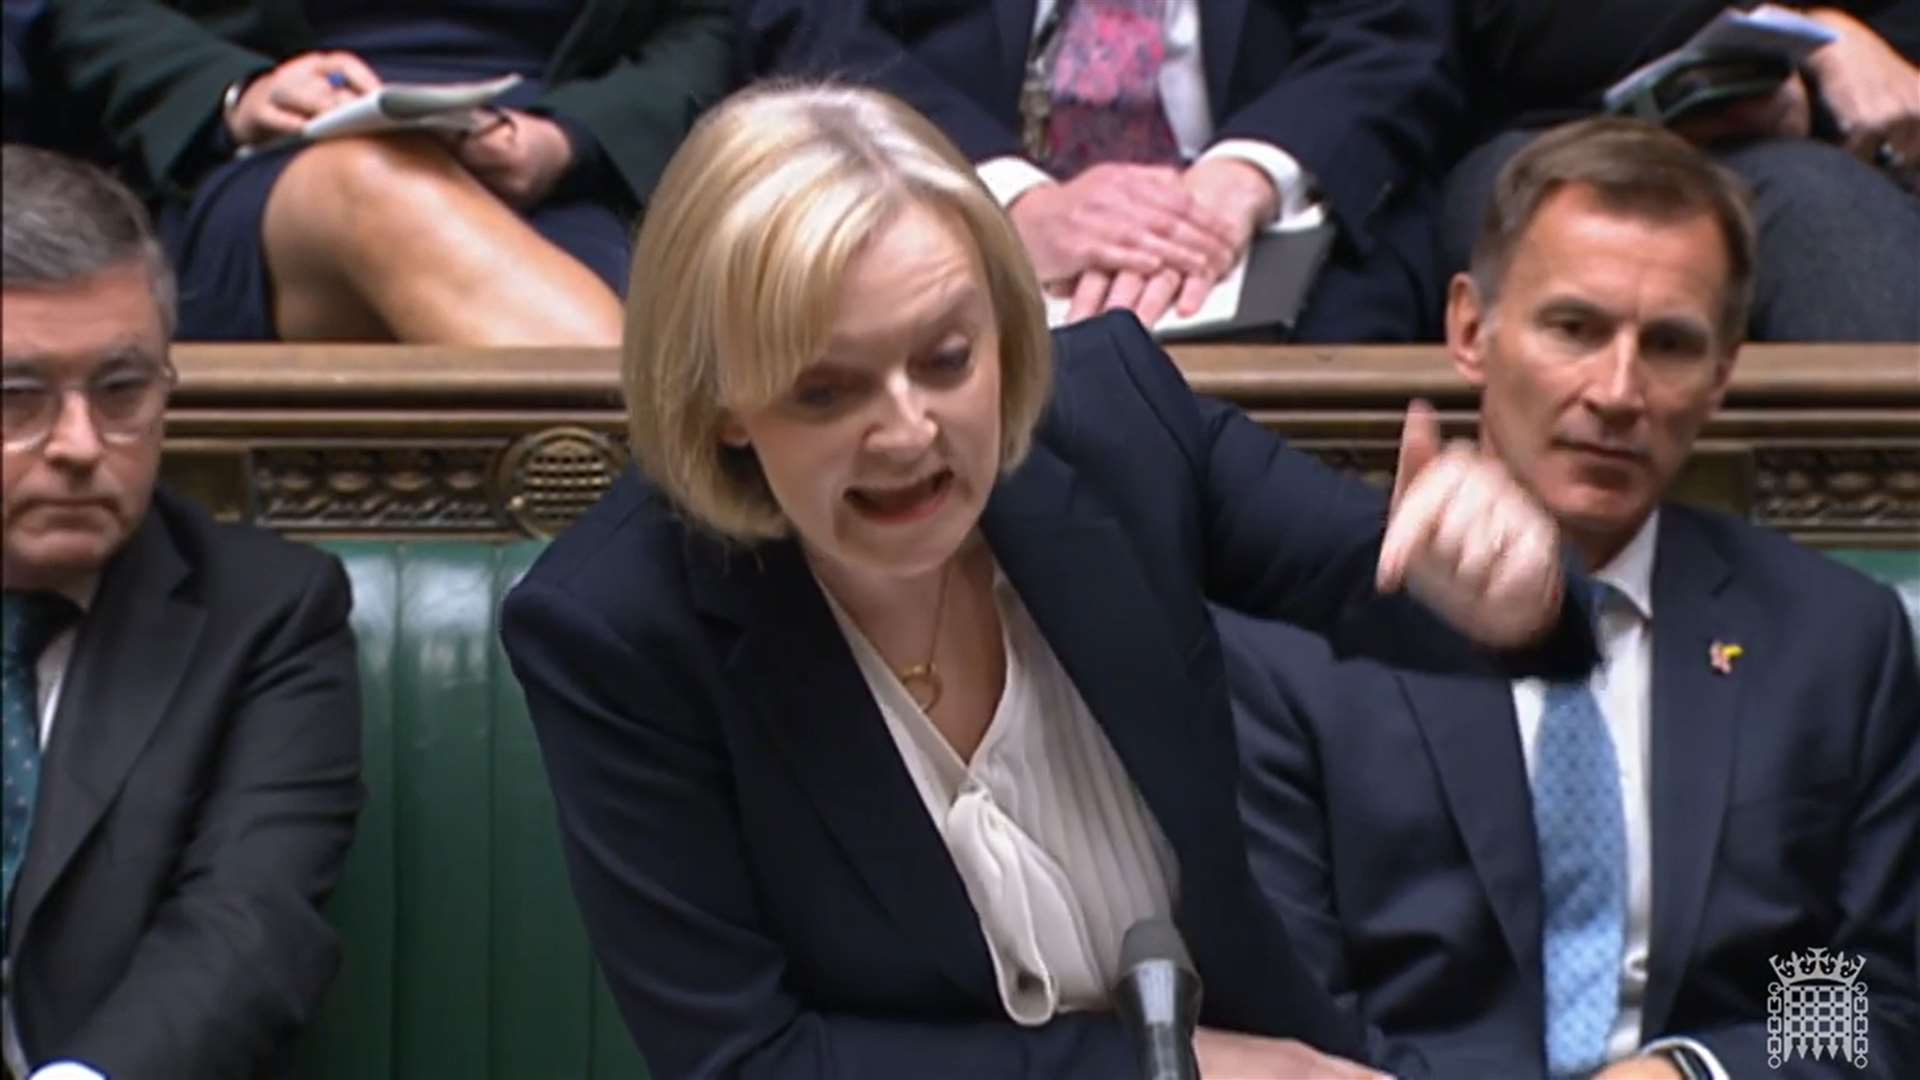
(217, 248)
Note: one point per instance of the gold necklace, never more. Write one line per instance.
(922, 681)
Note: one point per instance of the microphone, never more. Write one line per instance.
(1158, 996)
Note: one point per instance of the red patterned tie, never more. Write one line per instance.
(1106, 88)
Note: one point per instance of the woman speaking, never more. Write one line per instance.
(883, 699)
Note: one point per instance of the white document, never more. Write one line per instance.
(1763, 31)
(396, 106)
(1221, 304)
(1281, 265)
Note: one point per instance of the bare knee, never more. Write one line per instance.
(401, 226)
(383, 182)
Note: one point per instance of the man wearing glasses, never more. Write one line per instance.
(181, 712)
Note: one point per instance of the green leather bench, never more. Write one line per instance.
(1901, 569)
(465, 958)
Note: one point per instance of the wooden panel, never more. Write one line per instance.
(1822, 441)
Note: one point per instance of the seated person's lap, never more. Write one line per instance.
(215, 241)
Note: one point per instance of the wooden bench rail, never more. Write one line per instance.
(392, 376)
(341, 440)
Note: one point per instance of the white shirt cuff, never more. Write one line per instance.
(1714, 1067)
(1298, 209)
(65, 1070)
(1010, 177)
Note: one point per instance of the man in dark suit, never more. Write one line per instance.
(1249, 114)
(182, 742)
(1534, 879)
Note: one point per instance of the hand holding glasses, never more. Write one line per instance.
(123, 402)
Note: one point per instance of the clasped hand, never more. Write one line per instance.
(1873, 94)
(1143, 237)
(1467, 541)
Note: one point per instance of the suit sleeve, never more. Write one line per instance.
(640, 109)
(642, 787)
(1877, 905)
(153, 77)
(236, 957)
(1365, 103)
(1289, 538)
(850, 39)
(1284, 808)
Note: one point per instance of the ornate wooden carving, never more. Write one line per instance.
(1839, 489)
(435, 487)
(1821, 441)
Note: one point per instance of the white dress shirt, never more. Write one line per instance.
(50, 673)
(1183, 94)
(1623, 688)
(1058, 851)
(48, 676)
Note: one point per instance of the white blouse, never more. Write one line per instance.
(1058, 851)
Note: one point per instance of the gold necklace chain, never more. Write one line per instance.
(922, 680)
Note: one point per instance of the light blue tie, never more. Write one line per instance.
(28, 622)
(1582, 834)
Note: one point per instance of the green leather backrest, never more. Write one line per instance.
(1900, 569)
(465, 957)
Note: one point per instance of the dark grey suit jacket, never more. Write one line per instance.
(196, 802)
(1390, 820)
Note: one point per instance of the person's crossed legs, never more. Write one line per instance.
(390, 237)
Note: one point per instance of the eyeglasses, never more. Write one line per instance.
(123, 402)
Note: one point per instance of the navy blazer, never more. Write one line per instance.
(1362, 93)
(1390, 818)
(758, 876)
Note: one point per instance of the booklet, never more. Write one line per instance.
(453, 107)
(1738, 54)
(395, 106)
(1267, 288)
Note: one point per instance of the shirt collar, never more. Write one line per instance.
(1631, 571)
(81, 592)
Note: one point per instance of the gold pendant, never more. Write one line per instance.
(922, 682)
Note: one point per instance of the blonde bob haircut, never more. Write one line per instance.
(737, 272)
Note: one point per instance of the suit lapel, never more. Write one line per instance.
(794, 667)
(1084, 586)
(1220, 22)
(1014, 21)
(1473, 738)
(792, 663)
(1693, 738)
(134, 646)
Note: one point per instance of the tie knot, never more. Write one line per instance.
(29, 620)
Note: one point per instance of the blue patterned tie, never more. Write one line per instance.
(1582, 834)
(28, 621)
